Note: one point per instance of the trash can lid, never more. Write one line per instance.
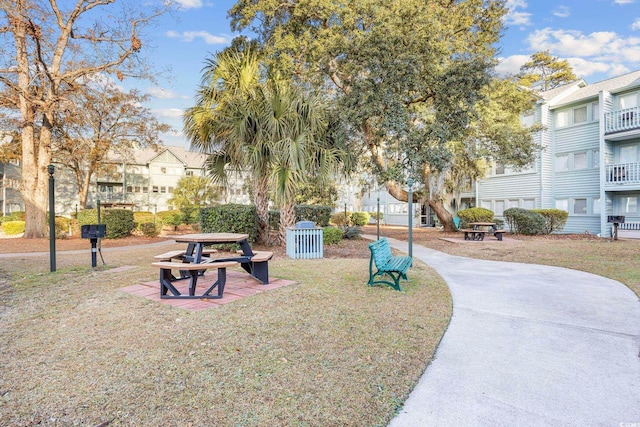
(305, 224)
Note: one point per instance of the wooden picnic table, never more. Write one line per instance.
(480, 229)
(254, 263)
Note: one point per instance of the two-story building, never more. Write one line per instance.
(589, 158)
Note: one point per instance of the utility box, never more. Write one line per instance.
(305, 241)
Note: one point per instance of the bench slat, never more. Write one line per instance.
(192, 266)
(386, 263)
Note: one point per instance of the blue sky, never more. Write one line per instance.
(599, 38)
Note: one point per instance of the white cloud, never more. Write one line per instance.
(636, 24)
(562, 12)
(189, 4)
(172, 113)
(602, 46)
(189, 36)
(511, 64)
(158, 92)
(623, 1)
(517, 17)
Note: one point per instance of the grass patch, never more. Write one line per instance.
(328, 350)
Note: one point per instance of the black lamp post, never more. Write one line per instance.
(52, 220)
(410, 184)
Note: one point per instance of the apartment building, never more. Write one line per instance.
(589, 158)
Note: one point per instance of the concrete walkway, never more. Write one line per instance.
(529, 345)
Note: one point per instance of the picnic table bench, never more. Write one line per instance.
(386, 263)
(193, 269)
(480, 229)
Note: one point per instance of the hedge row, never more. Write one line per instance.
(119, 222)
(231, 218)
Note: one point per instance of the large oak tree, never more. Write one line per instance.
(46, 48)
(412, 79)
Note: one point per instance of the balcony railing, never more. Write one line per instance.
(621, 120)
(623, 173)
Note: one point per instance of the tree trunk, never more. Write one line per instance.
(261, 200)
(444, 216)
(287, 219)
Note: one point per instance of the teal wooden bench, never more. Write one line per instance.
(394, 266)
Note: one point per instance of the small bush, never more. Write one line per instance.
(340, 219)
(331, 235)
(140, 218)
(231, 218)
(474, 215)
(4, 219)
(522, 221)
(360, 218)
(62, 227)
(17, 216)
(554, 219)
(149, 229)
(377, 216)
(320, 215)
(171, 218)
(13, 227)
(352, 233)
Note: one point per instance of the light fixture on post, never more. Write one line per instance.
(410, 184)
(52, 220)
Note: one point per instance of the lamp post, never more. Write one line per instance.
(378, 218)
(410, 184)
(52, 220)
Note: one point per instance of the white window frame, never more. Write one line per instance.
(561, 163)
(585, 162)
(583, 209)
(562, 204)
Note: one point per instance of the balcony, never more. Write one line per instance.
(624, 120)
(622, 176)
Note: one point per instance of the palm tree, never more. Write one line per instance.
(249, 121)
(223, 123)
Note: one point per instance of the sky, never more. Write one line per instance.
(599, 38)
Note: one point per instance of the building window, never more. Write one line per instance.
(562, 119)
(486, 204)
(595, 111)
(499, 169)
(129, 189)
(628, 205)
(170, 189)
(596, 158)
(580, 161)
(580, 115)
(562, 163)
(398, 208)
(629, 101)
(163, 189)
(596, 206)
(155, 189)
(137, 189)
(512, 204)
(580, 206)
(163, 170)
(499, 207)
(528, 119)
(189, 173)
(562, 204)
(145, 189)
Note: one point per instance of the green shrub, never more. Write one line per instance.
(360, 218)
(149, 229)
(331, 235)
(171, 218)
(13, 227)
(522, 221)
(377, 216)
(554, 219)
(231, 218)
(352, 233)
(140, 218)
(339, 219)
(320, 215)
(17, 216)
(62, 227)
(119, 222)
(474, 215)
(4, 219)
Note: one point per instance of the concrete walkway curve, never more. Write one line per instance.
(529, 345)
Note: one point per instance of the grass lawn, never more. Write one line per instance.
(326, 351)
